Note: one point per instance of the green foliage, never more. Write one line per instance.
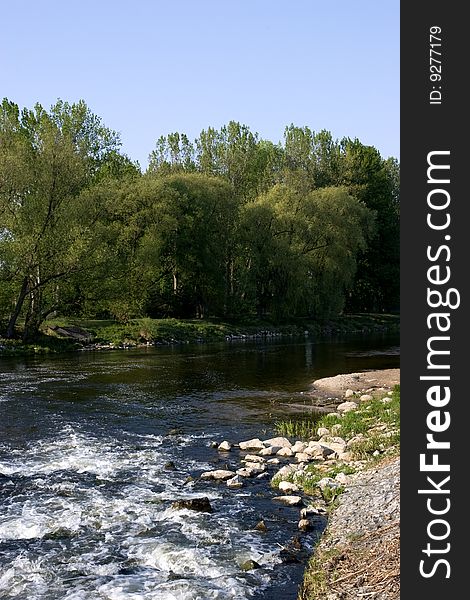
(48, 234)
(224, 225)
(376, 422)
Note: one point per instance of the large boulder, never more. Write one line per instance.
(245, 472)
(255, 467)
(253, 458)
(317, 450)
(269, 451)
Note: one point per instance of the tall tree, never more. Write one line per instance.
(376, 183)
(301, 249)
(46, 160)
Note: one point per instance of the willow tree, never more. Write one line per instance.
(191, 243)
(47, 159)
(300, 249)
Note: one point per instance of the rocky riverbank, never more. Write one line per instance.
(349, 470)
(359, 555)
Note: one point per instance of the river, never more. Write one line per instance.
(95, 446)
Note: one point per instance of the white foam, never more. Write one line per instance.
(33, 523)
(24, 574)
(180, 561)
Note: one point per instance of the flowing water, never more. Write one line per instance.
(95, 446)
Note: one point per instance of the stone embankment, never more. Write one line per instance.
(359, 555)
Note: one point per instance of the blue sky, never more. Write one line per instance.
(149, 68)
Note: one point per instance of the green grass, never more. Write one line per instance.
(301, 429)
(369, 414)
(173, 331)
(308, 479)
(362, 421)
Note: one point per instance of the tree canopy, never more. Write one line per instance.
(225, 225)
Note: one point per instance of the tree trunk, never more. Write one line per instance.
(18, 306)
(33, 318)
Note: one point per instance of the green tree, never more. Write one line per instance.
(239, 156)
(47, 228)
(197, 213)
(375, 182)
(300, 249)
(173, 153)
(173, 241)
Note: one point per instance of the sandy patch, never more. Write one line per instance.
(367, 382)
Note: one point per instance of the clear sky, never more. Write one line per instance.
(152, 67)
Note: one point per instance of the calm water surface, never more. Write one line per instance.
(85, 484)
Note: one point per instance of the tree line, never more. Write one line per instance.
(226, 225)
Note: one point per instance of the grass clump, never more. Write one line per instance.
(301, 429)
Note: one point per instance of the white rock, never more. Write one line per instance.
(336, 449)
(336, 428)
(348, 393)
(284, 452)
(346, 456)
(354, 440)
(390, 393)
(365, 398)
(304, 525)
(287, 486)
(244, 472)
(262, 475)
(273, 461)
(342, 478)
(327, 482)
(235, 482)
(282, 442)
(269, 451)
(285, 471)
(317, 450)
(253, 458)
(255, 467)
(333, 415)
(311, 510)
(303, 457)
(327, 439)
(386, 400)
(220, 474)
(346, 406)
(298, 447)
(254, 444)
(323, 431)
(289, 500)
(225, 446)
